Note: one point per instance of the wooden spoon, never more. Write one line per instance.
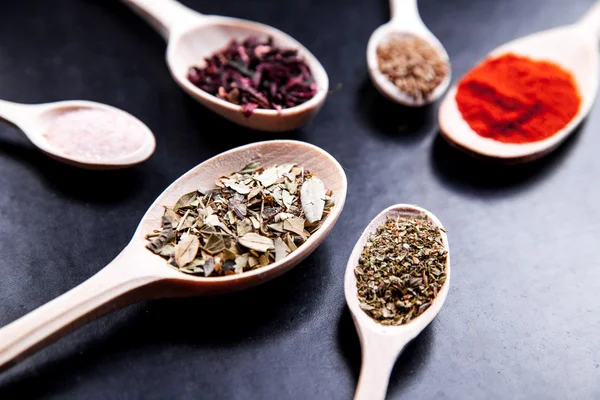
(405, 21)
(380, 344)
(574, 48)
(34, 120)
(137, 274)
(192, 36)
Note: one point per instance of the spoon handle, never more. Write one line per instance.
(110, 289)
(13, 112)
(591, 19)
(404, 12)
(378, 358)
(165, 16)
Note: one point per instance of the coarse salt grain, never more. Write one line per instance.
(95, 135)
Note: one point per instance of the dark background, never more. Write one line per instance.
(522, 316)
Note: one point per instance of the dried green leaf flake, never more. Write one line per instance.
(241, 262)
(194, 268)
(186, 201)
(286, 198)
(186, 249)
(214, 244)
(167, 251)
(268, 177)
(166, 235)
(295, 225)
(238, 187)
(251, 167)
(313, 199)
(256, 242)
(281, 249)
(250, 219)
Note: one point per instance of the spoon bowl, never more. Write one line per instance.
(192, 37)
(405, 21)
(274, 152)
(137, 274)
(34, 120)
(381, 344)
(573, 48)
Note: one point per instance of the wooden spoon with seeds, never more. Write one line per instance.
(405, 21)
(382, 344)
(137, 274)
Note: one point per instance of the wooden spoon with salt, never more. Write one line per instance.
(137, 274)
(36, 120)
(575, 49)
(381, 344)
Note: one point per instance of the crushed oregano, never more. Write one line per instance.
(401, 270)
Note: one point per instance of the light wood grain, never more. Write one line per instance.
(137, 274)
(380, 344)
(192, 36)
(405, 20)
(574, 48)
(33, 120)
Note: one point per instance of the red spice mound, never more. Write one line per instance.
(515, 99)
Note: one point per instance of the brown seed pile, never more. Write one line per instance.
(412, 65)
(401, 270)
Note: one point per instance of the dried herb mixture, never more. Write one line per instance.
(401, 270)
(254, 217)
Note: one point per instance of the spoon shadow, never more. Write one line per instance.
(401, 123)
(220, 134)
(128, 21)
(153, 330)
(463, 172)
(412, 360)
(100, 187)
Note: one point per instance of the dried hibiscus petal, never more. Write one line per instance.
(256, 74)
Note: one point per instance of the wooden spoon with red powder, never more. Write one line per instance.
(527, 96)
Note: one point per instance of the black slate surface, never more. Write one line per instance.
(522, 319)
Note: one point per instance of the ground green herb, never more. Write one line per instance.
(252, 218)
(401, 270)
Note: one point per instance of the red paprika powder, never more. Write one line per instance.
(514, 99)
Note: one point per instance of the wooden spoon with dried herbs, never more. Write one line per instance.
(192, 37)
(252, 226)
(396, 282)
(252, 218)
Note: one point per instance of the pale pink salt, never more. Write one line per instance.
(95, 135)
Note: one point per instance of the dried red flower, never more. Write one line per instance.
(256, 74)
